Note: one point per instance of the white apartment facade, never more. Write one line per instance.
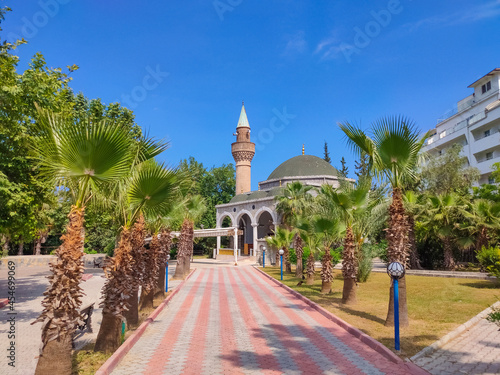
(475, 123)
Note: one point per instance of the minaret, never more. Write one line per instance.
(243, 151)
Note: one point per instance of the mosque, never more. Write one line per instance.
(252, 214)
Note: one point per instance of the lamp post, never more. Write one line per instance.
(166, 274)
(396, 271)
(263, 257)
(281, 259)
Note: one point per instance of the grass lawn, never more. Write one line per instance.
(436, 305)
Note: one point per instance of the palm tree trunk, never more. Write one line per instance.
(116, 290)
(151, 274)
(140, 263)
(414, 259)
(397, 251)
(326, 272)
(299, 252)
(482, 239)
(62, 299)
(5, 246)
(183, 250)
(310, 270)
(349, 268)
(165, 245)
(449, 262)
(286, 256)
(277, 264)
(403, 306)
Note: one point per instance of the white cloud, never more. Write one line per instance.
(474, 14)
(296, 44)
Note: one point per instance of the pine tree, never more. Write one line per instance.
(327, 154)
(345, 170)
(361, 166)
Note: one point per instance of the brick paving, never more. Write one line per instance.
(476, 351)
(232, 320)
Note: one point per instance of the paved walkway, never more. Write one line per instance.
(476, 351)
(232, 320)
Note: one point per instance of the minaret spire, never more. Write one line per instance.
(243, 151)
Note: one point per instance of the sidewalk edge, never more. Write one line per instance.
(455, 333)
(368, 340)
(124, 348)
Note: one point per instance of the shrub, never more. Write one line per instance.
(489, 258)
(110, 249)
(365, 259)
(173, 253)
(494, 317)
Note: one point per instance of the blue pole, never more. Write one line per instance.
(263, 258)
(166, 277)
(281, 267)
(396, 314)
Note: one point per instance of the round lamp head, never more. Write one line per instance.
(168, 257)
(281, 251)
(396, 270)
(264, 248)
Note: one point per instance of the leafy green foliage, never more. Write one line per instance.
(489, 257)
(494, 317)
(448, 173)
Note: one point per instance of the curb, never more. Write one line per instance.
(124, 348)
(455, 333)
(3, 302)
(363, 337)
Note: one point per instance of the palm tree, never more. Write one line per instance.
(150, 192)
(312, 241)
(350, 203)
(81, 156)
(393, 152)
(328, 231)
(274, 242)
(294, 202)
(190, 210)
(286, 237)
(442, 214)
(483, 217)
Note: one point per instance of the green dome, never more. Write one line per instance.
(302, 166)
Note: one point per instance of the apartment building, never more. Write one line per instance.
(475, 123)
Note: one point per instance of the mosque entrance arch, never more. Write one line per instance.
(245, 240)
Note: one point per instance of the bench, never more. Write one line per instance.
(86, 315)
(98, 263)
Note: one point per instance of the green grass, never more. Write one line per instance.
(436, 305)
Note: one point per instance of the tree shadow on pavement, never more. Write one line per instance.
(486, 284)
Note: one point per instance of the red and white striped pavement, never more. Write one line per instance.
(232, 320)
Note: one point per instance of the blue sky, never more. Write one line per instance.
(184, 67)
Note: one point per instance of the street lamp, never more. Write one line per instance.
(166, 274)
(396, 271)
(263, 257)
(281, 258)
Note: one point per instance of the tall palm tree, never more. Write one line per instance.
(150, 192)
(190, 210)
(393, 150)
(81, 156)
(442, 214)
(295, 201)
(351, 203)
